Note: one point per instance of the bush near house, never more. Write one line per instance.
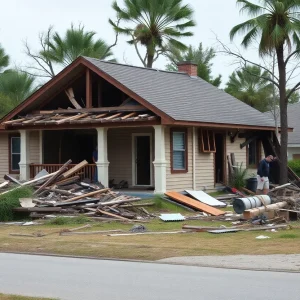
(295, 166)
(10, 200)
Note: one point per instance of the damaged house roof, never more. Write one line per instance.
(175, 96)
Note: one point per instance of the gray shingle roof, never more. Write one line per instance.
(293, 112)
(182, 97)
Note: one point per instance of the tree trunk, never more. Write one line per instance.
(283, 115)
(150, 60)
(150, 54)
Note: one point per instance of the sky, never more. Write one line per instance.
(24, 20)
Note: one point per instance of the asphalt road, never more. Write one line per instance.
(85, 279)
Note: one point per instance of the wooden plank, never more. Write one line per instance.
(86, 195)
(52, 179)
(74, 169)
(88, 89)
(4, 184)
(14, 121)
(67, 181)
(111, 215)
(37, 209)
(12, 179)
(69, 92)
(126, 108)
(113, 116)
(194, 203)
(128, 116)
(100, 116)
(76, 117)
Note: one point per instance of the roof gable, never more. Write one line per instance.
(173, 96)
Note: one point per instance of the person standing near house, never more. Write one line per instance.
(263, 172)
(95, 159)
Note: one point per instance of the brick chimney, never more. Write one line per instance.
(188, 67)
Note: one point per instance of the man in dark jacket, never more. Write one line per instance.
(263, 172)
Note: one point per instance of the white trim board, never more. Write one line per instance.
(205, 198)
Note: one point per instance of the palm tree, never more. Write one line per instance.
(275, 23)
(4, 59)
(16, 86)
(248, 86)
(202, 57)
(76, 42)
(154, 24)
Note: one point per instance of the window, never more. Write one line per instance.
(14, 154)
(179, 151)
(253, 153)
(207, 141)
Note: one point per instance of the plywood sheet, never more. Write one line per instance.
(205, 198)
(194, 203)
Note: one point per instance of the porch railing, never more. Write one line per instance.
(86, 172)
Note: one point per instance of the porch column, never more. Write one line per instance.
(160, 163)
(24, 161)
(102, 163)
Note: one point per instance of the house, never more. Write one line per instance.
(294, 137)
(154, 129)
(293, 113)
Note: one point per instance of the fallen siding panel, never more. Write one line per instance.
(194, 203)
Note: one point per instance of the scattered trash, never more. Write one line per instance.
(171, 217)
(138, 228)
(262, 237)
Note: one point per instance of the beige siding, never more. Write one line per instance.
(180, 181)
(119, 146)
(205, 168)
(3, 155)
(34, 147)
(240, 154)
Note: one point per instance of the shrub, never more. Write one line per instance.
(238, 179)
(295, 165)
(10, 200)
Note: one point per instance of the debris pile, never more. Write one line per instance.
(64, 193)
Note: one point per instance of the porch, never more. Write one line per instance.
(124, 155)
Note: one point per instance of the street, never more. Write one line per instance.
(78, 279)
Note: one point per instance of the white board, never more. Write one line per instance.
(205, 198)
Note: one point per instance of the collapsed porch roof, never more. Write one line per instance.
(72, 117)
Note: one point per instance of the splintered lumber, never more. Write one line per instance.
(74, 169)
(251, 213)
(4, 184)
(52, 179)
(248, 191)
(86, 195)
(144, 233)
(91, 232)
(37, 209)
(69, 92)
(111, 215)
(12, 179)
(194, 203)
(67, 181)
(119, 201)
(203, 228)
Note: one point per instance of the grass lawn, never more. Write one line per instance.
(16, 297)
(148, 247)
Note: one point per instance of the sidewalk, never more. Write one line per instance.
(276, 262)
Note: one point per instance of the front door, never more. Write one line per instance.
(142, 146)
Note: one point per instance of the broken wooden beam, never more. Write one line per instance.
(86, 195)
